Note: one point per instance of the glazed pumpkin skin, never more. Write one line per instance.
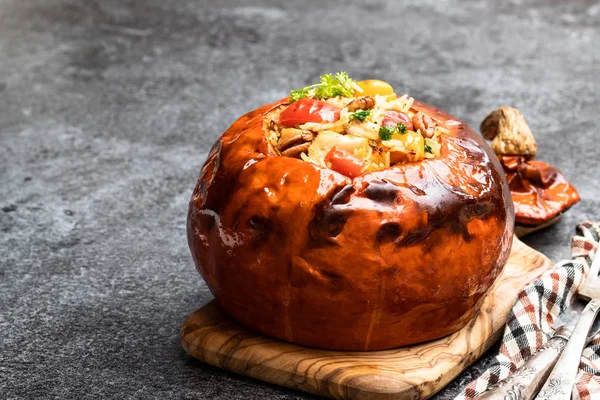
(386, 259)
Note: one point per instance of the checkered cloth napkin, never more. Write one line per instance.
(539, 304)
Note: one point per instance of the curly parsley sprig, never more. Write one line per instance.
(386, 132)
(361, 115)
(401, 128)
(331, 85)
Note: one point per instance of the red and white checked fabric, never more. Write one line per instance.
(538, 305)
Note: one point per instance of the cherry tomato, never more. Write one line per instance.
(308, 110)
(393, 117)
(344, 162)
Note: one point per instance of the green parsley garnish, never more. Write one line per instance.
(427, 147)
(361, 115)
(298, 94)
(331, 85)
(401, 128)
(386, 132)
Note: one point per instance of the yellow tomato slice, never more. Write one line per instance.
(373, 87)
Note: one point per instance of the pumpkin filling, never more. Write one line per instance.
(352, 127)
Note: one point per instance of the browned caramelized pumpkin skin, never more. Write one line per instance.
(310, 256)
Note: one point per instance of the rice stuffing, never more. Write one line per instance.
(352, 127)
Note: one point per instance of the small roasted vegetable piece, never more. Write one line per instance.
(412, 148)
(368, 130)
(325, 141)
(374, 87)
(393, 118)
(344, 162)
(308, 110)
(509, 132)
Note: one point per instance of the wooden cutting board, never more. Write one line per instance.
(412, 372)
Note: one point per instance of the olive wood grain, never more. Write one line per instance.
(412, 372)
(524, 230)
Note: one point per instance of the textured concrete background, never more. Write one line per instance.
(107, 109)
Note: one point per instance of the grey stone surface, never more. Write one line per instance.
(107, 109)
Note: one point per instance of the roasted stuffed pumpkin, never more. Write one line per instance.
(346, 217)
